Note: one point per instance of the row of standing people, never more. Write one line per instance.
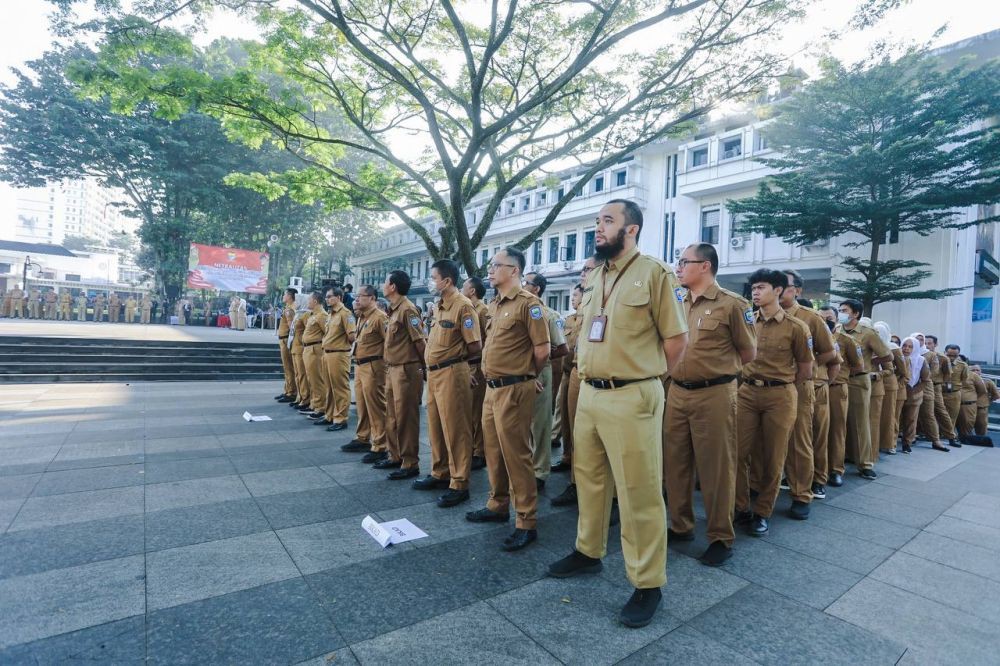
(61, 305)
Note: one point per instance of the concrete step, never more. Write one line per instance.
(141, 377)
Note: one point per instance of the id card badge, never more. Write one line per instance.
(597, 326)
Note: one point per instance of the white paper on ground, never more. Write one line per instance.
(248, 417)
(375, 530)
(403, 530)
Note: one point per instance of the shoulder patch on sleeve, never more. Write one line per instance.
(467, 322)
(748, 315)
(535, 311)
(836, 347)
(415, 321)
(861, 354)
(350, 319)
(561, 323)
(679, 293)
(809, 342)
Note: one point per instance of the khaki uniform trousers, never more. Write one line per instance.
(900, 401)
(113, 311)
(402, 412)
(764, 420)
(81, 313)
(144, 317)
(875, 419)
(233, 319)
(927, 424)
(319, 388)
(287, 367)
(953, 404)
(129, 315)
(369, 394)
(541, 427)
(569, 396)
(982, 420)
(799, 460)
(17, 307)
(946, 427)
(507, 432)
(337, 366)
(478, 396)
(967, 418)
(301, 379)
(701, 438)
(821, 432)
(449, 400)
(837, 441)
(64, 312)
(887, 423)
(34, 308)
(859, 434)
(618, 445)
(908, 418)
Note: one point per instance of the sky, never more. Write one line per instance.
(24, 35)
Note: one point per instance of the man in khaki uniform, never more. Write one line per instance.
(51, 303)
(875, 355)
(99, 303)
(35, 304)
(284, 330)
(341, 328)
(453, 339)
(941, 376)
(812, 398)
(571, 329)
(16, 307)
(369, 378)
(4, 303)
(831, 470)
(767, 400)
(989, 395)
(65, 305)
(633, 328)
(952, 393)
(474, 290)
(234, 313)
(700, 428)
(541, 418)
(114, 308)
(81, 307)
(312, 356)
(404, 355)
(146, 307)
(972, 388)
(130, 309)
(302, 393)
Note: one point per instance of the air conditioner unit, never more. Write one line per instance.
(731, 153)
(737, 242)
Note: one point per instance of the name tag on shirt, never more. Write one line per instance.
(597, 326)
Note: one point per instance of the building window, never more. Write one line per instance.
(554, 302)
(699, 156)
(536, 252)
(588, 244)
(5, 268)
(485, 256)
(511, 205)
(553, 249)
(760, 141)
(599, 184)
(525, 203)
(668, 238)
(621, 178)
(541, 198)
(571, 247)
(732, 148)
(560, 193)
(566, 302)
(70, 277)
(710, 226)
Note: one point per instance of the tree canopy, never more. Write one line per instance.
(877, 149)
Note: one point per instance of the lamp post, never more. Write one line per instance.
(24, 276)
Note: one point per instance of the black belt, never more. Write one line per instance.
(705, 383)
(396, 365)
(498, 382)
(367, 359)
(875, 376)
(954, 391)
(604, 384)
(445, 364)
(282, 337)
(970, 402)
(938, 383)
(310, 344)
(334, 351)
(765, 383)
(858, 374)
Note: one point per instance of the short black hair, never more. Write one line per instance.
(447, 269)
(336, 292)
(796, 277)
(401, 281)
(964, 357)
(292, 291)
(776, 279)
(804, 302)
(368, 290)
(348, 287)
(633, 214)
(855, 305)
(931, 337)
(477, 286)
(316, 295)
(517, 256)
(540, 282)
(828, 307)
(707, 252)
(955, 347)
(578, 285)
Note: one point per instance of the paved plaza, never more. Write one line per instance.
(35, 328)
(150, 522)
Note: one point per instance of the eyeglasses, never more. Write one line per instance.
(493, 267)
(681, 263)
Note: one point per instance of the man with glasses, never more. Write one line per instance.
(312, 356)
(517, 349)
(369, 378)
(284, 329)
(337, 342)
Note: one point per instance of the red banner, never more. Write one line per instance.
(227, 269)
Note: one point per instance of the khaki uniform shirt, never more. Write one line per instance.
(81, 302)
(50, 297)
(940, 367)
(403, 328)
(959, 375)
(298, 330)
(822, 339)
(782, 343)
(285, 321)
(982, 393)
(113, 302)
(571, 329)
(556, 324)
(643, 310)
(516, 325)
(147, 303)
(721, 325)
(340, 324)
(130, 303)
(456, 326)
(371, 334)
(901, 369)
(315, 327)
(871, 345)
(65, 299)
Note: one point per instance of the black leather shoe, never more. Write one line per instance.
(758, 526)
(953, 443)
(561, 466)
(799, 510)
(784, 485)
(373, 457)
(566, 497)
(453, 498)
(322, 422)
(818, 491)
(907, 448)
(294, 405)
(356, 446)
(338, 426)
(304, 409)
(404, 473)
(478, 462)
(574, 564)
(679, 536)
(387, 463)
(487, 516)
(743, 517)
(539, 484)
(519, 539)
(279, 397)
(315, 415)
(556, 443)
(868, 474)
(284, 398)
(836, 480)
(716, 554)
(430, 482)
(641, 608)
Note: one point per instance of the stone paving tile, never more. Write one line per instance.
(9, 509)
(914, 514)
(177, 494)
(956, 554)
(476, 634)
(286, 480)
(967, 532)
(78, 507)
(189, 525)
(876, 530)
(335, 543)
(17, 487)
(685, 645)
(64, 600)
(95, 478)
(103, 448)
(44, 549)
(772, 629)
(309, 506)
(30, 455)
(191, 573)
(22, 469)
(843, 550)
(265, 461)
(276, 623)
(117, 642)
(977, 508)
(162, 471)
(88, 463)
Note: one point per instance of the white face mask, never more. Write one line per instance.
(843, 318)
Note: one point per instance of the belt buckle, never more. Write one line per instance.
(603, 384)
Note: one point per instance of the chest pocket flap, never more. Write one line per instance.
(632, 309)
(707, 324)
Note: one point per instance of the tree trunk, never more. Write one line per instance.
(869, 296)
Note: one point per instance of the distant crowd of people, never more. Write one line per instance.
(63, 305)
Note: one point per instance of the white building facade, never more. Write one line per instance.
(53, 266)
(70, 208)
